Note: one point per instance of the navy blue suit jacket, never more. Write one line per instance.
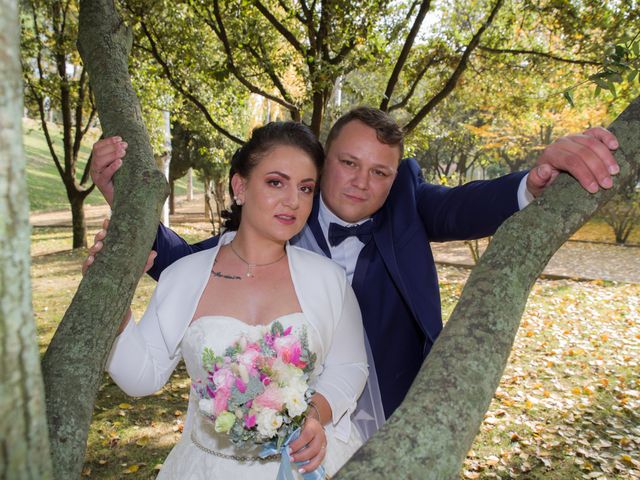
(395, 279)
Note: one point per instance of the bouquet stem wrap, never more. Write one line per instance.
(285, 472)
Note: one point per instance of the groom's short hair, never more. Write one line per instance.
(387, 129)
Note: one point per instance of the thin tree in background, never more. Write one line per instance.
(57, 82)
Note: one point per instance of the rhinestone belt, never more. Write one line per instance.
(237, 458)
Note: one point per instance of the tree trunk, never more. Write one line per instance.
(24, 447)
(190, 185)
(219, 195)
(172, 197)
(77, 220)
(208, 211)
(318, 112)
(432, 431)
(74, 362)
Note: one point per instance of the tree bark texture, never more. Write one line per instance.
(75, 359)
(24, 446)
(432, 431)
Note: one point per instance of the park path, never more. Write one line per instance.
(575, 260)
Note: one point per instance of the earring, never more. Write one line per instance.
(238, 201)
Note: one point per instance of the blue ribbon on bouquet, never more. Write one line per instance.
(285, 472)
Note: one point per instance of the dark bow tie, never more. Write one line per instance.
(338, 233)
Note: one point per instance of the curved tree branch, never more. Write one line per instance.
(432, 431)
(404, 54)
(180, 88)
(432, 61)
(75, 359)
(508, 51)
(290, 37)
(455, 76)
(344, 51)
(220, 31)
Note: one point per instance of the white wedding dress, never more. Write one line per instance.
(191, 461)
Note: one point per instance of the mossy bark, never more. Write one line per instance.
(430, 434)
(24, 446)
(74, 362)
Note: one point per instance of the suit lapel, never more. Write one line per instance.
(316, 229)
(383, 236)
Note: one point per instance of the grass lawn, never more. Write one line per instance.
(567, 407)
(597, 230)
(46, 190)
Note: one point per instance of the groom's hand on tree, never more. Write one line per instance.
(587, 157)
(98, 244)
(106, 159)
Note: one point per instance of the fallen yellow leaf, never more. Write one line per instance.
(142, 441)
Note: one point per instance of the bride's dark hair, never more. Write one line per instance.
(262, 140)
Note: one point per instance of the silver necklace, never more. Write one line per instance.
(251, 266)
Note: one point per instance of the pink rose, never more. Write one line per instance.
(249, 358)
(270, 398)
(288, 349)
(221, 401)
(223, 378)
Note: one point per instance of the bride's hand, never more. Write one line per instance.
(311, 445)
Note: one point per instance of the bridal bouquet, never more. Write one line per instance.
(257, 391)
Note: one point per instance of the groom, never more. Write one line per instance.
(375, 217)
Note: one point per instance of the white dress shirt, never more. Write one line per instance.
(346, 254)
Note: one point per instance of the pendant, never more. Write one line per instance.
(249, 273)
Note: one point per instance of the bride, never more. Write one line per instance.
(251, 279)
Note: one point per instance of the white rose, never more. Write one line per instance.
(294, 401)
(287, 374)
(206, 406)
(268, 421)
(299, 384)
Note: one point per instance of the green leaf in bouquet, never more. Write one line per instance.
(277, 329)
(281, 438)
(307, 356)
(209, 359)
(233, 350)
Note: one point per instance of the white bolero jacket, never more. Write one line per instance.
(145, 354)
